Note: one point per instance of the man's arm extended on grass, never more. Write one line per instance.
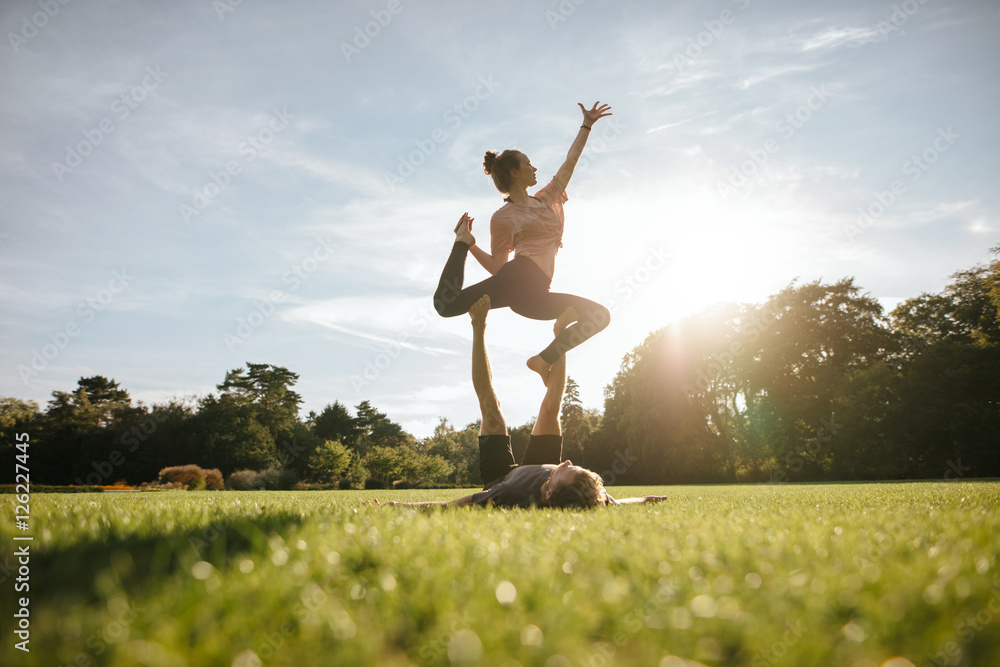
(466, 501)
(648, 500)
(458, 502)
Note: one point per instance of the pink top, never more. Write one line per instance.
(534, 231)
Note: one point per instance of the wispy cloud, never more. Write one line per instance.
(836, 37)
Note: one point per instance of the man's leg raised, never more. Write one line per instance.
(545, 444)
(495, 455)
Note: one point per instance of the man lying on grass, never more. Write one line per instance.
(540, 479)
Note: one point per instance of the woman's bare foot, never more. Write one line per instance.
(463, 230)
(540, 366)
(566, 318)
(479, 310)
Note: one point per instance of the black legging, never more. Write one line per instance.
(521, 285)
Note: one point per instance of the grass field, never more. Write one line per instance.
(861, 575)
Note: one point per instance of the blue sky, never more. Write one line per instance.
(193, 185)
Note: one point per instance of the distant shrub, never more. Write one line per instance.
(190, 477)
(314, 486)
(245, 480)
(287, 479)
(118, 486)
(406, 484)
(269, 477)
(213, 480)
(278, 478)
(375, 483)
(345, 484)
(156, 486)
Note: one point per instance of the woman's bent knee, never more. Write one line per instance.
(446, 308)
(600, 318)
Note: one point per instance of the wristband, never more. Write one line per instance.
(585, 127)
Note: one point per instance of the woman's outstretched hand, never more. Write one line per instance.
(463, 230)
(595, 113)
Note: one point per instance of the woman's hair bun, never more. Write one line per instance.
(489, 162)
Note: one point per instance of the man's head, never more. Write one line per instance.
(573, 486)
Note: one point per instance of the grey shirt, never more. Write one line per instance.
(520, 488)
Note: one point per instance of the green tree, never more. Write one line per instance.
(578, 423)
(231, 438)
(269, 390)
(657, 424)
(77, 432)
(150, 438)
(966, 311)
(459, 448)
(736, 389)
(403, 463)
(821, 335)
(375, 429)
(947, 388)
(330, 460)
(386, 463)
(16, 417)
(335, 423)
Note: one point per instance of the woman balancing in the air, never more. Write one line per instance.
(531, 227)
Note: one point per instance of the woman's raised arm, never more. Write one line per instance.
(590, 116)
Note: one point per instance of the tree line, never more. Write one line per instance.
(816, 383)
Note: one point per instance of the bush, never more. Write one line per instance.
(156, 486)
(374, 483)
(245, 480)
(190, 477)
(330, 460)
(345, 484)
(213, 480)
(277, 478)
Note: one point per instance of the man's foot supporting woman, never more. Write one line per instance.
(539, 365)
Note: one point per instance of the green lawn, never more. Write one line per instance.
(719, 575)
